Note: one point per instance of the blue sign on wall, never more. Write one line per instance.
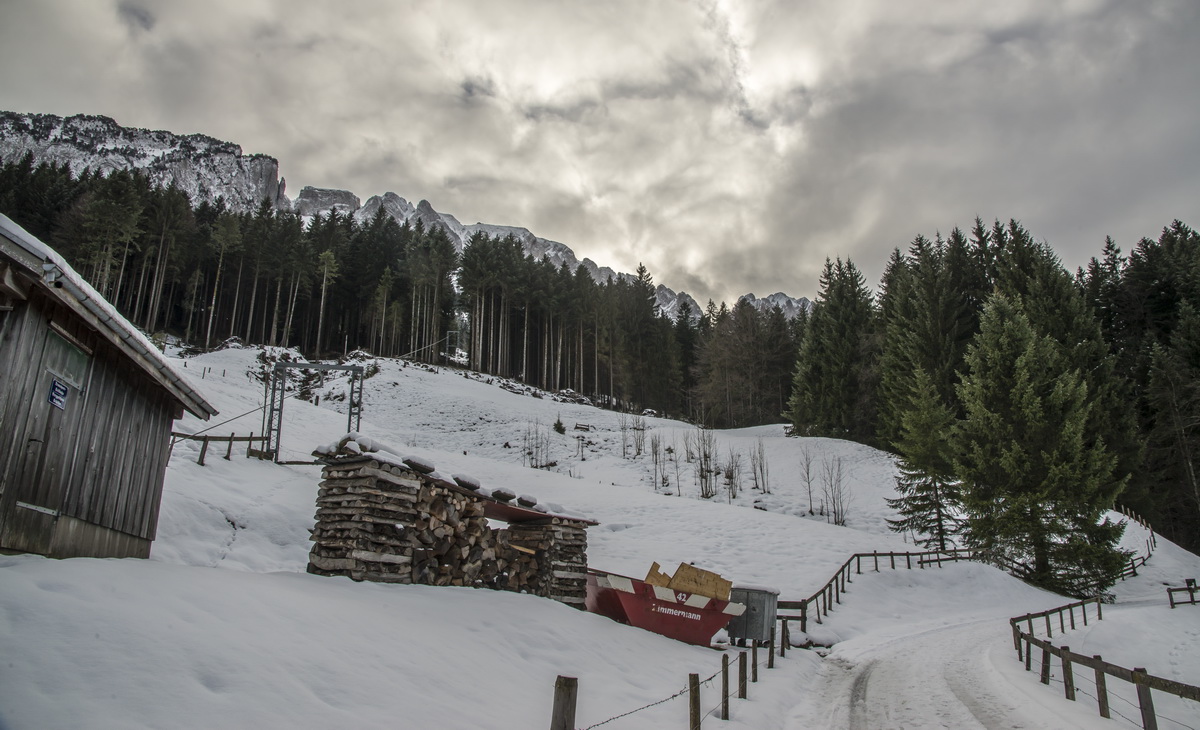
(58, 394)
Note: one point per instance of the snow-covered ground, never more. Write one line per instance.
(223, 628)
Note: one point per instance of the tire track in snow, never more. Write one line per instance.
(938, 678)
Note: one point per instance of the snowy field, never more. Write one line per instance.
(223, 628)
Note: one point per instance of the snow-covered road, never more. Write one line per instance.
(959, 676)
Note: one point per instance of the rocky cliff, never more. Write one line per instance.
(201, 166)
(206, 168)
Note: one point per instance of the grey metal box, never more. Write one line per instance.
(759, 617)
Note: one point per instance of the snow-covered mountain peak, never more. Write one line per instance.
(791, 306)
(203, 167)
(206, 168)
(320, 201)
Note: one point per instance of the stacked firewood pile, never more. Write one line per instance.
(363, 507)
(549, 559)
(453, 545)
(384, 519)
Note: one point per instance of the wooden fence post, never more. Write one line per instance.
(566, 690)
(783, 642)
(742, 675)
(754, 661)
(694, 701)
(1068, 675)
(893, 557)
(1045, 664)
(1028, 654)
(1099, 610)
(858, 563)
(1101, 688)
(875, 553)
(1049, 631)
(908, 559)
(804, 617)
(1072, 618)
(229, 450)
(771, 647)
(1062, 629)
(249, 444)
(1149, 719)
(724, 686)
(203, 451)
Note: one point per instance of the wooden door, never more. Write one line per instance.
(47, 431)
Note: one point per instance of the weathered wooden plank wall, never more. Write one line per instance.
(99, 460)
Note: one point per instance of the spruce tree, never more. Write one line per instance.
(833, 386)
(929, 501)
(1034, 488)
(1174, 394)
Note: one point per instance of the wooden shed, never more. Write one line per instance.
(86, 406)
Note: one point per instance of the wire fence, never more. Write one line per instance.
(724, 695)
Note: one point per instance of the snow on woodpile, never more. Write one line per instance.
(390, 518)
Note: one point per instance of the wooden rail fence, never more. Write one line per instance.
(566, 690)
(1189, 589)
(229, 440)
(1025, 641)
(821, 603)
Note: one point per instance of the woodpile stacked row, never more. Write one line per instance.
(365, 510)
(453, 543)
(568, 563)
(384, 522)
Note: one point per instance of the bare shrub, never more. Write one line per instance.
(759, 469)
(706, 443)
(639, 435)
(732, 472)
(808, 472)
(835, 489)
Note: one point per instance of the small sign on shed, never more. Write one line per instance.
(58, 394)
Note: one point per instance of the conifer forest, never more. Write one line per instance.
(1021, 399)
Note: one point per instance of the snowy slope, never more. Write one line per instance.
(223, 628)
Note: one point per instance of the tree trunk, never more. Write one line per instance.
(287, 327)
(237, 293)
(212, 307)
(160, 272)
(275, 314)
(321, 311)
(250, 308)
(525, 345)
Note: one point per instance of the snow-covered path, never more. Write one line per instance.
(958, 676)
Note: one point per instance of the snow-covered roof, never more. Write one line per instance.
(50, 271)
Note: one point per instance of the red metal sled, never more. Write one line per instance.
(687, 617)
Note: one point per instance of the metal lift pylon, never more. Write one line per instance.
(273, 416)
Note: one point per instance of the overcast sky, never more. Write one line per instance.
(731, 146)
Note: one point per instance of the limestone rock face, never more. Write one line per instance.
(320, 201)
(201, 166)
(207, 168)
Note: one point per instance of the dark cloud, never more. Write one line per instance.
(135, 16)
(731, 146)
